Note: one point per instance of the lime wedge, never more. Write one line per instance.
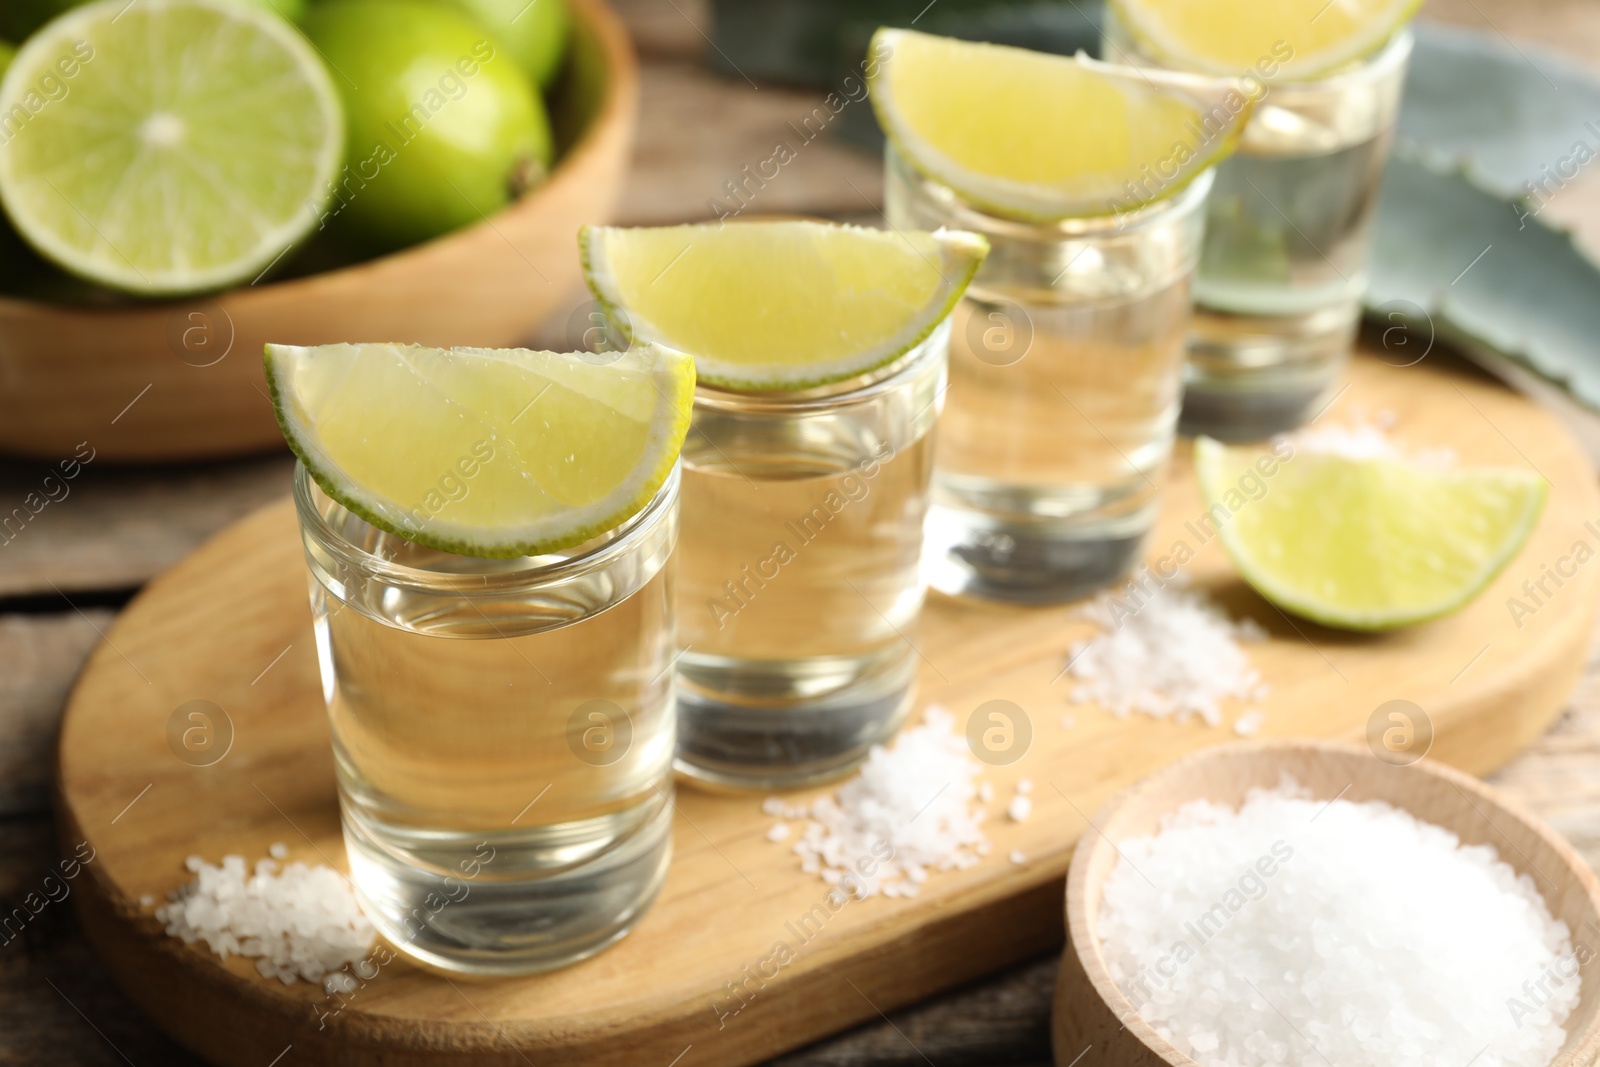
(188, 145)
(770, 305)
(1289, 39)
(1045, 137)
(479, 451)
(1365, 544)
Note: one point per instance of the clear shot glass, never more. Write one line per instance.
(502, 731)
(1284, 266)
(799, 585)
(1065, 370)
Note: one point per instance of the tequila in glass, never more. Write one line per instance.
(1282, 273)
(502, 731)
(799, 585)
(1065, 364)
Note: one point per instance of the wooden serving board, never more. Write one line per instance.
(230, 625)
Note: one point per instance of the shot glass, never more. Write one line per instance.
(1065, 366)
(799, 581)
(1284, 265)
(502, 732)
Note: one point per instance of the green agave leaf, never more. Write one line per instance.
(1453, 260)
(1488, 130)
(1511, 114)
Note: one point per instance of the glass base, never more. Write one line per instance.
(501, 904)
(1249, 377)
(749, 725)
(970, 553)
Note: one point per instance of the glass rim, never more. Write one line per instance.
(963, 214)
(1395, 51)
(1375, 64)
(860, 389)
(506, 576)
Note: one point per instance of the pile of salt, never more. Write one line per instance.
(1299, 931)
(300, 922)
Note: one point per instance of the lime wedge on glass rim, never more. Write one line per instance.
(484, 452)
(1296, 39)
(779, 305)
(1046, 137)
(167, 146)
(1367, 544)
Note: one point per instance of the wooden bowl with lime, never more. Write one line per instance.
(148, 371)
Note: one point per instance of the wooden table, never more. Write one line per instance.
(63, 579)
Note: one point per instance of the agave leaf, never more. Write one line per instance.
(1489, 129)
(1455, 261)
(1510, 113)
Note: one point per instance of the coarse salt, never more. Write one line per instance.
(1020, 808)
(1367, 440)
(909, 811)
(1249, 724)
(1296, 930)
(1170, 653)
(779, 832)
(298, 922)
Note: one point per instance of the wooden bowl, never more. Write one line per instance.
(181, 380)
(1091, 1011)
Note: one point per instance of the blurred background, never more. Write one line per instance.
(721, 84)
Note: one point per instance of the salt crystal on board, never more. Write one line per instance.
(1170, 653)
(1367, 440)
(302, 922)
(1249, 724)
(910, 809)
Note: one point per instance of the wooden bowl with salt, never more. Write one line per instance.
(1093, 1016)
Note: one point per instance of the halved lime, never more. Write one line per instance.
(1290, 39)
(1365, 544)
(779, 305)
(1045, 137)
(189, 145)
(480, 451)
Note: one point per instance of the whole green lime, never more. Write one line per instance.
(444, 127)
(535, 32)
(19, 18)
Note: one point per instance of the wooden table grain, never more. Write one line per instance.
(64, 576)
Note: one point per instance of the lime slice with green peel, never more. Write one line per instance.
(1365, 544)
(167, 146)
(1045, 137)
(1288, 39)
(779, 305)
(479, 451)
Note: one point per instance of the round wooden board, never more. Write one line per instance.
(230, 625)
